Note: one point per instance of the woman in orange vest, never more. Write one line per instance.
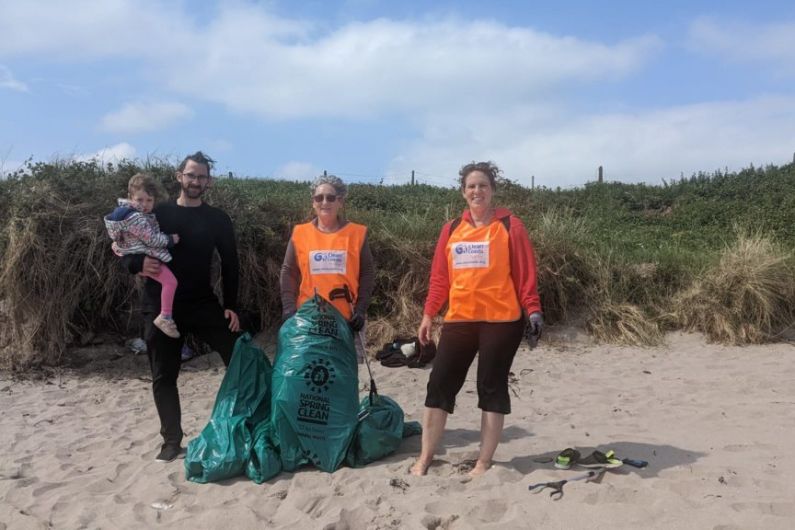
(328, 253)
(485, 270)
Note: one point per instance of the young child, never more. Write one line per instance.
(134, 230)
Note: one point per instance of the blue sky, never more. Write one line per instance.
(371, 90)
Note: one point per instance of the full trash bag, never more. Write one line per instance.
(315, 388)
(264, 462)
(380, 430)
(243, 402)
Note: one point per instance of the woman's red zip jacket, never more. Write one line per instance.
(523, 266)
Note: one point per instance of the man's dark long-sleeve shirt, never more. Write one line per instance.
(201, 230)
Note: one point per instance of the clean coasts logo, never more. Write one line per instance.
(470, 248)
(467, 255)
(328, 262)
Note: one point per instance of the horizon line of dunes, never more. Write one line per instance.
(709, 253)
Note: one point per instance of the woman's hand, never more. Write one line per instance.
(426, 326)
(535, 324)
(356, 323)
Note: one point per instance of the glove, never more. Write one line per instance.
(356, 323)
(287, 316)
(535, 323)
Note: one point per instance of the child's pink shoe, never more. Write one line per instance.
(167, 326)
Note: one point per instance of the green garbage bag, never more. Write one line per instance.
(412, 428)
(264, 462)
(315, 388)
(380, 430)
(222, 449)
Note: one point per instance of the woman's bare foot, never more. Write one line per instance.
(479, 469)
(419, 468)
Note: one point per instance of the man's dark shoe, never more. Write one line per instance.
(168, 453)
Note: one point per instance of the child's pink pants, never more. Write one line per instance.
(168, 282)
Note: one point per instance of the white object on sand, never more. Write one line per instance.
(408, 349)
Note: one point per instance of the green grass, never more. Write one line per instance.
(634, 245)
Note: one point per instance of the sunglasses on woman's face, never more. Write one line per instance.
(329, 198)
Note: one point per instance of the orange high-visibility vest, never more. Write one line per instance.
(328, 261)
(479, 266)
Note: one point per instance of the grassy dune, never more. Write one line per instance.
(710, 253)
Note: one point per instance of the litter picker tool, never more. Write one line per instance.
(557, 486)
(345, 293)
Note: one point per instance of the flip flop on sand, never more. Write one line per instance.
(570, 457)
(600, 460)
(567, 458)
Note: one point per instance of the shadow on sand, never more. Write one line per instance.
(659, 457)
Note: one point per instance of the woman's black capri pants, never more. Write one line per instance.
(460, 341)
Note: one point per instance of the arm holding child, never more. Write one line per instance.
(148, 232)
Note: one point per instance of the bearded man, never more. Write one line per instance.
(202, 230)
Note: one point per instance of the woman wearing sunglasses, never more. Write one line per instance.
(484, 270)
(328, 253)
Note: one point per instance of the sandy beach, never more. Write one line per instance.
(715, 423)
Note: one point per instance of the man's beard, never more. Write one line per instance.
(193, 192)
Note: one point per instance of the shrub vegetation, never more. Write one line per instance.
(628, 260)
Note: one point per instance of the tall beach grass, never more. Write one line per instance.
(628, 261)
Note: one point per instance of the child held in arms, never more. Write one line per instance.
(134, 230)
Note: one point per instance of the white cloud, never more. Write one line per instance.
(773, 43)
(254, 62)
(8, 81)
(110, 155)
(384, 67)
(84, 30)
(475, 89)
(297, 171)
(632, 147)
(141, 117)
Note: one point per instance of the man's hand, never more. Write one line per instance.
(424, 333)
(151, 266)
(356, 323)
(535, 324)
(234, 323)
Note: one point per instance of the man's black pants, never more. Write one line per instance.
(205, 321)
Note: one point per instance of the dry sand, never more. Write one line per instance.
(715, 423)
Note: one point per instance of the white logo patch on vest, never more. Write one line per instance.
(328, 262)
(468, 255)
